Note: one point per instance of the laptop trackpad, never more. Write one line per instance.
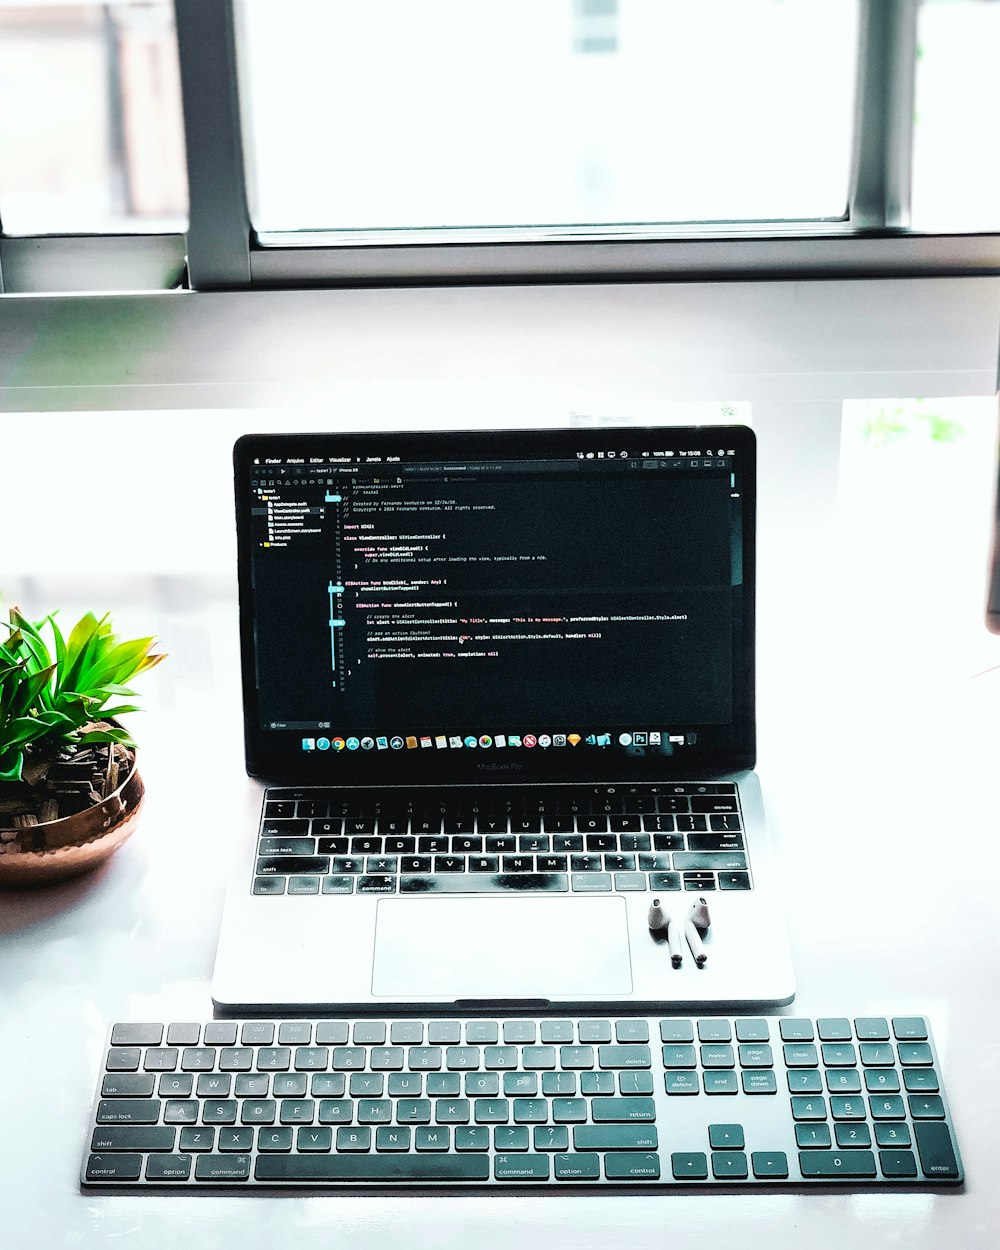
(460, 948)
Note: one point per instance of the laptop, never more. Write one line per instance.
(499, 699)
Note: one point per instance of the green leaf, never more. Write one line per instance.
(33, 642)
(58, 638)
(31, 688)
(80, 643)
(122, 661)
(24, 729)
(106, 735)
(10, 648)
(11, 763)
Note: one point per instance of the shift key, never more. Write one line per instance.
(615, 1137)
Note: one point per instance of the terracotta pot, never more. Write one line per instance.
(65, 848)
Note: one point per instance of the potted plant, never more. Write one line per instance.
(70, 792)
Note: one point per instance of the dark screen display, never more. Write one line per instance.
(434, 597)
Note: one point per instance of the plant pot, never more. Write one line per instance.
(57, 849)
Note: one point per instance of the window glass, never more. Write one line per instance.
(956, 175)
(916, 513)
(91, 136)
(595, 114)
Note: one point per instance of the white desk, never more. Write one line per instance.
(886, 915)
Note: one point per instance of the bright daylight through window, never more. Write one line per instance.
(594, 114)
(91, 138)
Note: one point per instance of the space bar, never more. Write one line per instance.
(483, 882)
(372, 1168)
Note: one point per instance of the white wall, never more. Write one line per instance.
(502, 351)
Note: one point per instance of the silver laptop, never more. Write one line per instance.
(498, 692)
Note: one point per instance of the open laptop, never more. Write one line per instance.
(498, 690)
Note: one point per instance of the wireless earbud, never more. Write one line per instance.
(657, 919)
(695, 925)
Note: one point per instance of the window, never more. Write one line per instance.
(956, 179)
(596, 116)
(335, 142)
(91, 139)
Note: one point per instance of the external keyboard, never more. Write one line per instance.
(580, 839)
(518, 1102)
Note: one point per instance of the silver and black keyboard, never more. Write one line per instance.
(515, 1102)
(562, 839)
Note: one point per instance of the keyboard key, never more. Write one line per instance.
(222, 1167)
(136, 1034)
(729, 1165)
(769, 1164)
(909, 1028)
(726, 1136)
(127, 1085)
(720, 1082)
(889, 1134)
(577, 1167)
(759, 1082)
(920, 1079)
(594, 1031)
(629, 1166)
(871, 1029)
(624, 1056)
(622, 1110)
(926, 1106)
(374, 1167)
(808, 1108)
(681, 1083)
(123, 1059)
(128, 1111)
(687, 1165)
(837, 1164)
(114, 1167)
(897, 1163)
(853, 1135)
(886, 1080)
(843, 1080)
(614, 1137)
(914, 1054)
(753, 1030)
(709, 861)
(507, 1167)
(481, 883)
(676, 1031)
(132, 1138)
(937, 1152)
(168, 1167)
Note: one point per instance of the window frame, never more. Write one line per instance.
(223, 252)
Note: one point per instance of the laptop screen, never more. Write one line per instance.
(509, 605)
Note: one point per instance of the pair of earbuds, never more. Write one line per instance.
(695, 925)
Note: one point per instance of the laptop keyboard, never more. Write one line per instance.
(559, 1103)
(561, 839)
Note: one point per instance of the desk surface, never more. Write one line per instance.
(886, 915)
